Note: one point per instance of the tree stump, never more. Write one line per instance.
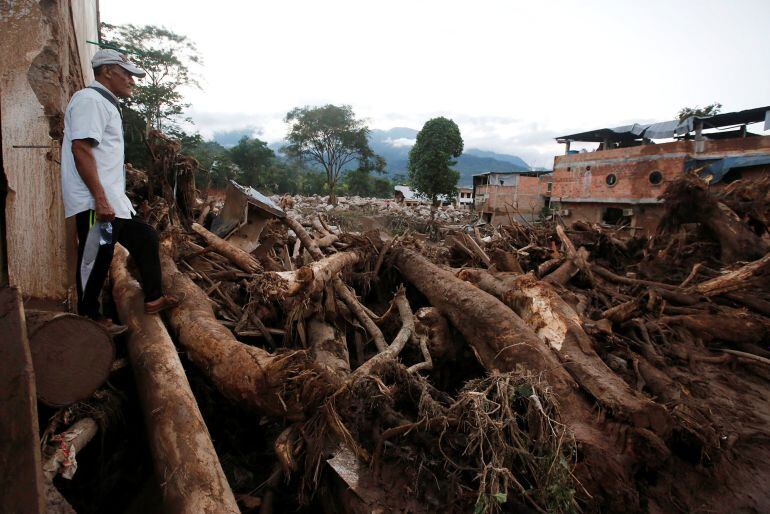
(71, 355)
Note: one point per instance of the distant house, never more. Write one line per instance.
(464, 198)
(405, 195)
(499, 197)
(621, 181)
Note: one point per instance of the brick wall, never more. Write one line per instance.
(584, 175)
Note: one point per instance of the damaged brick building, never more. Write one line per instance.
(500, 196)
(620, 182)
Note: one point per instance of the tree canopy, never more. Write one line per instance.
(167, 58)
(431, 159)
(331, 137)
(708, 110)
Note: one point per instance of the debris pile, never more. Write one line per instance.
(393, 214)
(522, 368)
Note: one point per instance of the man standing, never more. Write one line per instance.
(94, 189)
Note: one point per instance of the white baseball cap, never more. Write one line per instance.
(110, 56)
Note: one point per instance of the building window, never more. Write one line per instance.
(656, 178)
(611, 179)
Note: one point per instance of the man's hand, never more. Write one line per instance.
(103, 210)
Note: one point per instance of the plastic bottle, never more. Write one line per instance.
(105, 233)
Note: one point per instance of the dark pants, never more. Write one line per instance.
(141, 241)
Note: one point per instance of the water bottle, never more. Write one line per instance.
(105, 233)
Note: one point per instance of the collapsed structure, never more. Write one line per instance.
(621, 182)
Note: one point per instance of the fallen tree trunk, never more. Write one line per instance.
(736, 279)
(246, 374)
(186, 464)
(314, 276)
(237, 256)
(557, 324)
(329, 349)
(72, 356)
(503, 342)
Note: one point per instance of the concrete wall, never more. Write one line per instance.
(45, 63)
(526, 198)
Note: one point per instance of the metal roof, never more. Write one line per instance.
(520, 172)
(668, 129)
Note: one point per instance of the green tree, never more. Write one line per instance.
(331, 137)
(253, 157)
(167, 58)
(431, 159)
(708, 110)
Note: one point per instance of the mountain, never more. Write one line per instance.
(394, 146)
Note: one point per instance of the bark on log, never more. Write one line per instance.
(71, 355)
(186, 464)
(21, 478)
(737, 328)
(245, 374)
(737, 279)
(316, 275)
(503, 342)
(329, 349)
(237, 256)
(557, 324)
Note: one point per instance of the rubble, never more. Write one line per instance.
(374, 357)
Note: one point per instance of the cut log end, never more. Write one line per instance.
(71, 355)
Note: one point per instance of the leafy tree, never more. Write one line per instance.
(431, 159)
(253, 157)
(215, 167)
(331, 137)
(167, 58)
(708, 110)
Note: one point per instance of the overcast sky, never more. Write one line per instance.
(512, 74)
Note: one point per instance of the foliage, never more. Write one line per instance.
(331, 137)
(708, 110)
(431, 159)
(253, 157)
(360, 182)
(167, 58)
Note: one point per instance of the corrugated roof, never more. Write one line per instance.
(668, 129)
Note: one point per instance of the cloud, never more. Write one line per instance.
(400, 142)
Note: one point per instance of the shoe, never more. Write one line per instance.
(113, 329)
(167, 301)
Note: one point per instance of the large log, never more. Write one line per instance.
(246, 374)
(504, 342)
(557, 324)
(329, 349)
(21, 476)
(237, 256)
(186, 464)
(758, 270)
(72, 356)
(314, 276)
